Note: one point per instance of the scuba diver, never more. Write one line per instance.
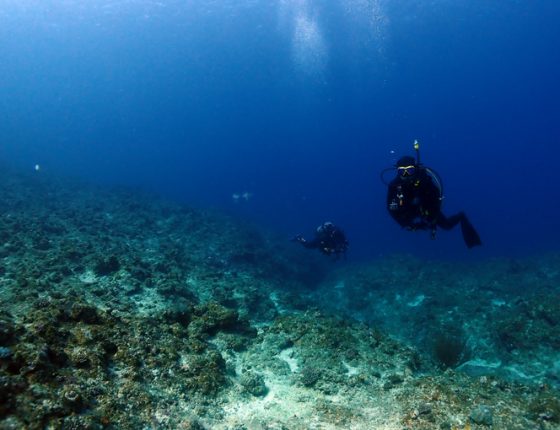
(414, 200)
(329, 239)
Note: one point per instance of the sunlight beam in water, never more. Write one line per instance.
(309, 48)
(304, 21)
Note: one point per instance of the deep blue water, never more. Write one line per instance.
(300, 103)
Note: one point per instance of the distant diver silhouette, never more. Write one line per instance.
(329, 239)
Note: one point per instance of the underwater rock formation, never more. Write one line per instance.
(123, 311)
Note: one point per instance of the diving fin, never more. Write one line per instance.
(470, 236)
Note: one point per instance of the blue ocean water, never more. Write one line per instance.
(297, 105)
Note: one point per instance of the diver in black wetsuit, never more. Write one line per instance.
(329, 239)
(414, 200)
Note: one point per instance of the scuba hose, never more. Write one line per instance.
(382, 175)
(436, 179)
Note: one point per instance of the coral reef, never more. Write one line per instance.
(122, 311)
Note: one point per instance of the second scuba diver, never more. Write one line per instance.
(414, 200)
(329, 239)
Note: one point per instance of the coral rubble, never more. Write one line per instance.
(123, 311)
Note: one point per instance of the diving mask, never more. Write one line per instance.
(405, 171)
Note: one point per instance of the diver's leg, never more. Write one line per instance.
(470, 235)
(447, 223)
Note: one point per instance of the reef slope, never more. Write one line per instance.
(123, 311)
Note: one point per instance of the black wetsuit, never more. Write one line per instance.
(415, 203)
(329, 240)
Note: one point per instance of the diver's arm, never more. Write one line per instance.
(397, 212)
(310, 244)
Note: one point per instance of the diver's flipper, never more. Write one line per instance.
(470, 236)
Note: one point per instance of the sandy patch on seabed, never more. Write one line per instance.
(290, 407)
